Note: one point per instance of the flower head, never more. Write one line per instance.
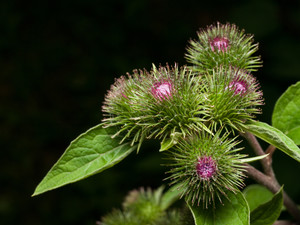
(118, 107)
(233, 97)
(175, 103)
(222, 44)
(144, 206)
(162, 103)
(205, 167)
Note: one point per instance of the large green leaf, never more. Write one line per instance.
(286, 113)
(90, 153)
(256, 195)
(233, 211)
(267, 214)
(275, 137)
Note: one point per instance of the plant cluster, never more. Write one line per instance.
(145, 207)
(193, 109)
(198, 113)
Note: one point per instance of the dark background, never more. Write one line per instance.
(58, 58)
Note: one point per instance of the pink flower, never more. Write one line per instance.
(206, 167)
(221, 43)
(239, 87)
(162, 90)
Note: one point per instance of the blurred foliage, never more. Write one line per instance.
(57, 60)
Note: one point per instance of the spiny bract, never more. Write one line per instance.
(222, 44)
(232, 98)
(206, 167)
(163, 103)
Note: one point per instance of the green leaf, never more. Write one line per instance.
(275, 137)
(90, 153)
(170, 142)
(286, 113)
(233, 211)
(256, 195)
(166, 144)
(268, 213)
(170, 196)
(294, 134)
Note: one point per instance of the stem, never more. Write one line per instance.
(270, 150)
(262, 178)
(273, 185)
(254, 143)
(266, 162)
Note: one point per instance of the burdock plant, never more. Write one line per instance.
(198, 113)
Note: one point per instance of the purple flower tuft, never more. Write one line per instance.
(206, 167)
(221, 43)
(239, 86)
(162, 90)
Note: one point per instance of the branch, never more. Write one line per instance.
(284, 222)
(270, 150)
(266, 162)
